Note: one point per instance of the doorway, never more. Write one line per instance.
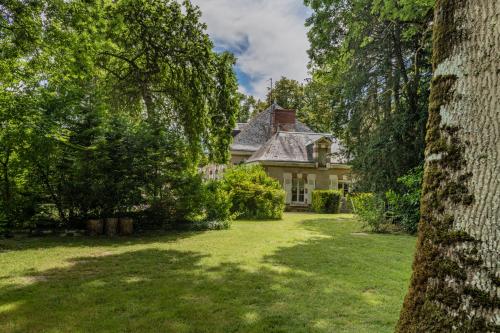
(298, 192)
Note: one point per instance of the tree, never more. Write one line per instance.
(107, 106)
(370, 59)
(287, 93)
(160, 56)
(455, 284)
(246, 103)
(249, 106)
(316, 109)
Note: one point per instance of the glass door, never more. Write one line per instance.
(298, 193)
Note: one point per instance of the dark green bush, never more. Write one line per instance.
(217, 203)
(254, 195)
(207, 206)
(326, 201)
(404, 206)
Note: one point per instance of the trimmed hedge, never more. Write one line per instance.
(326, 201)
(254, 201)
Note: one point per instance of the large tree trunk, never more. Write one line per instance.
(455, 282)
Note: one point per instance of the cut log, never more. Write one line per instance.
(95, 227)
(126, 226)
(111, 226)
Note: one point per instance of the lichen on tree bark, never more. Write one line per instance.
(454, 286)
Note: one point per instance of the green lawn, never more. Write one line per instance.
(307, 273)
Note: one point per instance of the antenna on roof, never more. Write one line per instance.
(271, 116)
(271, 92)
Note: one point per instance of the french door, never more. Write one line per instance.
(298, 190)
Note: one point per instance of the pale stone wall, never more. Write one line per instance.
(322, 179)
(239, 158)
(322, 175)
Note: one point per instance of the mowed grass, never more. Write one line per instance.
(306, 273)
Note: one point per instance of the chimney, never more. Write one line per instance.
(283, 120)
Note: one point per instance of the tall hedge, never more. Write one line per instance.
(326, 201)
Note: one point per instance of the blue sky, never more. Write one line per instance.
(267, 36)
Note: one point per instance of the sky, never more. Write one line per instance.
(268, 37)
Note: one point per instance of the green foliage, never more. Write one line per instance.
(225, 109)
(316, 109)
(370, 208)
(249, 106)
(371, 69)
(404, 208)
(287, 93)
(395, 211)
(253, 193)
(326, 201)
(106, 107)
(217, 202)
(3, 223)
(206, 225)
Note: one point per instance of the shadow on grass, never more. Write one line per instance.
(327, 284)
(46, 242)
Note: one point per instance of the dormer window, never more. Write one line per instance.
(323, 154)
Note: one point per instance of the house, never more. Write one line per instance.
(299, 158)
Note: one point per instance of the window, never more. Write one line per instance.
(334, 182)
(298, 192)
(346, 189)
(322, 157)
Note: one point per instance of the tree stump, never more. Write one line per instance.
(126, 226)
(111, 226)
(95, 227)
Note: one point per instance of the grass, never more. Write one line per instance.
(307, 273)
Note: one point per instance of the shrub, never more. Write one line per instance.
(404, 208)
(326, 201)
(3, 223)
(217, 202)
(254, 195)
(205, 225)
(370, 209)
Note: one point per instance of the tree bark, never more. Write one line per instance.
(455, 281)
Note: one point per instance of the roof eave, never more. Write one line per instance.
(242, 152)
(300, 163)
(287, 163)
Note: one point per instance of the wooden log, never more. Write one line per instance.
(95, 227)
(126, 226)
(111, 226)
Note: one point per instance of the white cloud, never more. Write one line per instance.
(268, 37)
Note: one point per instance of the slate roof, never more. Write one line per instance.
(255, 137)
(258, 130)
(285, 147)
(294, 147)
(240, 126)
(240, 147)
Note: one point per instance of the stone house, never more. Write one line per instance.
(300, 159)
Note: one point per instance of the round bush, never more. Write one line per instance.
(254, 195)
